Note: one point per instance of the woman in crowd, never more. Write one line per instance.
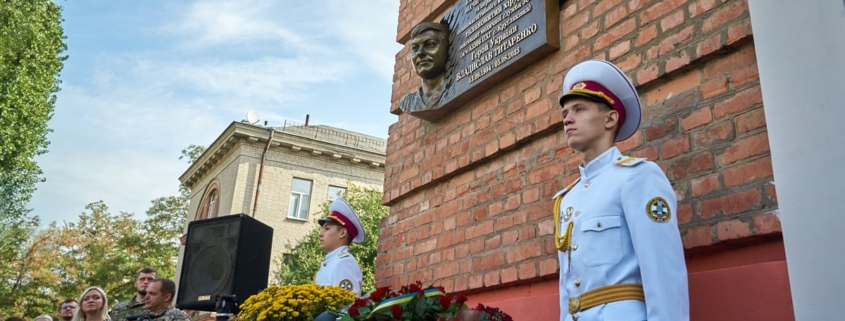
(93, 305)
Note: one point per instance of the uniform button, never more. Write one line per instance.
(598, 224)
(574, 246)
(586, 184)
(577, 282)
(574, 317)
(618, 158)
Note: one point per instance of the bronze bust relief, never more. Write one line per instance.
(429, 54)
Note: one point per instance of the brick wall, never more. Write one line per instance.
(470, 195)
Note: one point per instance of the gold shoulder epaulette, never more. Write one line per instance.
(630, 161)
(566, 189)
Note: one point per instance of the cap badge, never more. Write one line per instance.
(580, 85)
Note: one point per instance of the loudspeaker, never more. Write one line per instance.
(224, 256)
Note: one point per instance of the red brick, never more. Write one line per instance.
(771, 191)
(691, 165)
(698, 117)
(739, 32)
(524, 252)
(697, 236)
(674, 87)
(647, 74)
(615, 15)
(548, 267)
(491, 278)
(509, 237)
(512, 202)
(479, 230)
(538, 108)
(509, 275)
(750, 121)
(742, 58)
(673, 20)
(493, 243)
(746, 147)
(531, 195)
(677, 61)
(724, 14)
(744, 75)
(614, 34)
(658, 10)
(739, 102)
(507, 140)
(675, 147)
(630, 63)
(684, 213)
(488, 261)
(645, 35)
(531, 95)
(635, 141)
(708, 46)
(736, 203)
(731, 230)
(767, 223)
(619, 49)
(701, 6)
(602, 7)
(589, 31)
(744, 173)
(527, 271)
(660, 130)
(715, 87)
(575, 22)
(674, 41)
(704, 185)
(716, 133)
(649, 153)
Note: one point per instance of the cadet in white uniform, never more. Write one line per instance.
(339, 228)
(620, 252)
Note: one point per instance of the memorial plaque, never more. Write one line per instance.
(489, 41)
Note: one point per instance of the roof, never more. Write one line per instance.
(335, 135)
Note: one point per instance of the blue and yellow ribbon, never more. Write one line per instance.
(386, 304)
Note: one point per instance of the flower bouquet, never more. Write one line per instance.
(294, 302)
(412, 302)
(491, 313)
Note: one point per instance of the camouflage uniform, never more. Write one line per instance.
(126, 308)
(171, 314)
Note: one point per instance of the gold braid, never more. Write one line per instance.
(561, 244)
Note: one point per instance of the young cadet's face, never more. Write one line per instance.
(331, 237)
(583, 123)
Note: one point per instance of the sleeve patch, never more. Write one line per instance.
(346, 284)
(658, 210)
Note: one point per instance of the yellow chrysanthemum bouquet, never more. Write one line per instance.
(294, 302)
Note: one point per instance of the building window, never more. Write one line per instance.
(335, 192)
(209, 203)
(300, 199)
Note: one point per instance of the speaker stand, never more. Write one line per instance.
(225, 305)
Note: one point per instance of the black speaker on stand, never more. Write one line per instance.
(226, 260)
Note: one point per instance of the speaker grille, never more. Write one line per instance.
(223, 255)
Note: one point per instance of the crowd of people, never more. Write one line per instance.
(153, 300)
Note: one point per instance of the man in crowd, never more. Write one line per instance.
(67, 309)
(159, 301)
(339, 228)
(135, 305)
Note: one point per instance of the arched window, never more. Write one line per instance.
(210, 202)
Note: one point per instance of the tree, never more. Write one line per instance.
(304, 258)
(31, 47)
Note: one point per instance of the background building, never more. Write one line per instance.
(299, 167)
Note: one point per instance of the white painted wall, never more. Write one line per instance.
(800, 49)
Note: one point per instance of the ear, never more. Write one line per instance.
(343, 232)
(611, 120)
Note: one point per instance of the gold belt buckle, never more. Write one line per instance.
(574, 305)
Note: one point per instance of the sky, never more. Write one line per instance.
(145, 79)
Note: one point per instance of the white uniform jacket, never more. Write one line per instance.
(625, 231)
(340, 269)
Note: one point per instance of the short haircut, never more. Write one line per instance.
(44, 317)
(14, 319)
(167, 287)
(69, 300)
(147, 270)
(439, 29)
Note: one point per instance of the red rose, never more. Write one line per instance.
(445, 301)
(379, 294)
(396, 311)
(460, 298)
(353, 311)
